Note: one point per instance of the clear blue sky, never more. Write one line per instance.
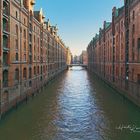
(77, 20)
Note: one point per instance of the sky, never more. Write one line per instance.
(77, 20)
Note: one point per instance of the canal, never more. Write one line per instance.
(75, 106)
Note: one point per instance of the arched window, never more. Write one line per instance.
(41, 69)
(16, 29)
(30, 72)
(16, 56)
(24, 73)
(24, 33)
(133, 28)
(38, 69)
(133, 15)
(24, 57)
(138, 46)
(16, 14)
(44, 69)
(5, 58)
(16, 42)
(5, 78)
(5, 23)
(24, 21)
(34, 70)
(17, 74)
(24, 46)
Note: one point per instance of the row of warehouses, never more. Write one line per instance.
(114, 53)
(31, 52)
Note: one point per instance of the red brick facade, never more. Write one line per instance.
(31, 52)
(114, 54)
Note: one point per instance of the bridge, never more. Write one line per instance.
(74, 65)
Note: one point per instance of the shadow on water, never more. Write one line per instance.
(74, 106)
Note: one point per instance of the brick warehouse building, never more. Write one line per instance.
(31, 52)
(114, 53)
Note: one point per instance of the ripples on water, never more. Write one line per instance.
(73, 107)
(78, 116)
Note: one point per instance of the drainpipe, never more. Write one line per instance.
(20, 79)
(113, 43)
(127, 18)
(1, 55)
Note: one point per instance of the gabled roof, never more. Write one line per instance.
(119, 11)
(36, 14)
(107, 25)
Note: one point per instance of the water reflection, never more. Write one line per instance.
(75, 106)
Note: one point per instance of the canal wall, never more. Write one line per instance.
(32, 52)
(113, 53)
(132, 96)
(30, 93)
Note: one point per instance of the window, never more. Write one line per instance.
(30, 48)
(38, 69)
(24, 57)
(139, 49)
(122, 25)
(133, 46)
(30, 27)
(41, 43)
(25, 46)
(132, 75)
(16, 14)
(30, 73)
(16, 29)
(5, 78)
(24, 34)
(30, 38)
(38, 42)
(133, 29)
(5, 25)
(5, 42)
(44, 69)
(16, 57)
(5, 58)
(34, 70)
(133, 15)
(24, 21)
(133, 55)
(16, 41)
(17, 74)
(24, 73)
(41, 70)
(30, 59)
(41, 78)
(138, 79)
(5, 8)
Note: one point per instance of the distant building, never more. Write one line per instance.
(69, 57)
(76, 59)
(83, 58)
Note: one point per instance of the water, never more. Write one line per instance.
(75, 106)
